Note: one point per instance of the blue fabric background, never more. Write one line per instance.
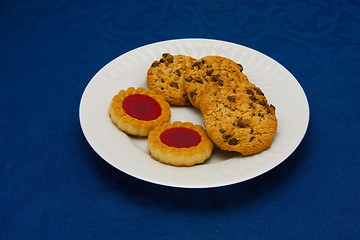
(54, 186)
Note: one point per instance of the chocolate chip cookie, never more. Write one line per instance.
(166, 77)
(210, 69)
(238, 117)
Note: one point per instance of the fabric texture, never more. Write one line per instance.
(53, 185)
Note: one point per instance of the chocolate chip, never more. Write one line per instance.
(268, 109)
(170, 60)
(231, 98)
(253, 98)
(251, 139)
(177, 72)
(242, 68)
(188, 79)
(225, 136)
(197, 64)
(262, 102)
(250, 92)
(209, 72)
(175, 85)
(198, 80)
(215, 78)
(259, 92)
(241, 124)
(164, 55)
(233, 141)
(221, 83)
(251, 105)
(155, 64)
(222, 130)
(193, 94)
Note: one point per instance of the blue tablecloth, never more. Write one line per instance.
(54, 186)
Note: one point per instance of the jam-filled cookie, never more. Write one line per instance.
(138, 111)
(166, 77)
(179, 144)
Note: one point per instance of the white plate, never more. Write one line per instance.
(130, 154)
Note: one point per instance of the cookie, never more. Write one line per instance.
(238, 117)
(179, 144)
(138, 111)
(166, 77)
(210, 69)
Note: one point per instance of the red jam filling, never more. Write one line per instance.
(141, 107)
(180, 137)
